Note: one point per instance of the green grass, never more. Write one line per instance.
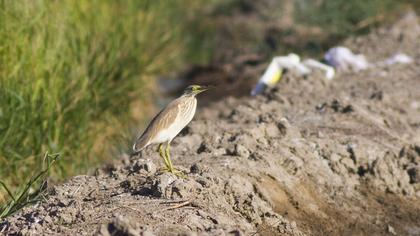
(31, 192)
(69, 73)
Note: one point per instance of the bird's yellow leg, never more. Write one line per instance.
(168, 157)
(162, 154)
(171, 167)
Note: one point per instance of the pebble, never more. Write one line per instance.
(391, 230)
(144, 167)
(241, 151)
(414, 174)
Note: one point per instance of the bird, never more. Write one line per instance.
(168, 123)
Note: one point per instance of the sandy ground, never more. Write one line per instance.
(309, 157)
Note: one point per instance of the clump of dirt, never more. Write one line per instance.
(309, 157)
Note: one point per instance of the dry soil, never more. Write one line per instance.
(308, 157)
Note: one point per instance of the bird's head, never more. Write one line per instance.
(193, 90)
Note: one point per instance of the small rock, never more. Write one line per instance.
(219, 152)
(334, 157)
(204, 147)
(349, 164)
(265, 118)
(204, 182)
(338, 107)
(195, 168)
(147, 233)
(66, 218)
(181, 189)
(391, 230)
(161, 186)
(198, 168)
(47, 219)
(256, 156)
(230, 150)
(414, 173)
(144, 167)
(241, 151)
(273, 131)
(103, 230)
(120, 226)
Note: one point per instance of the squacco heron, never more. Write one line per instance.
(167, 124)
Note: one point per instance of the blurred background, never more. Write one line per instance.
(81, 78)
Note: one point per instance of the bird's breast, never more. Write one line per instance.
(187, 111)
(185, 115)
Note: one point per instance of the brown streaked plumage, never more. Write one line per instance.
(161, 121)
(168, 123)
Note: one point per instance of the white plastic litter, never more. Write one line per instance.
(399, 58)
(292, 61)
(329, 71)
(343, 58)
(340, 58)
(288, 62)
(271, 75)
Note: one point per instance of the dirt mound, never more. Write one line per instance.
(309, 157)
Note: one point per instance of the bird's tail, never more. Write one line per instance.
(140, 144)
(136, 150)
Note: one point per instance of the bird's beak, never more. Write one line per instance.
(204, 88)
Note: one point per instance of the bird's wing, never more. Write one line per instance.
(160, 122)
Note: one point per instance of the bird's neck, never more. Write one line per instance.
(188, 95)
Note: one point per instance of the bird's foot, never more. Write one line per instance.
(174, 171)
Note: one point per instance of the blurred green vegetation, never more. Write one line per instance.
(339, 19)
(69, 72)
(307, 27)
